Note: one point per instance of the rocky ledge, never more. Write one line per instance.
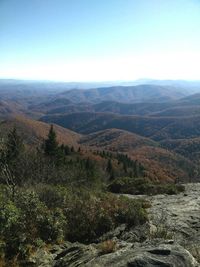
(177, 215)
(171, 238)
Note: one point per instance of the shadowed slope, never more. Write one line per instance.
(34, 131)
(115, 139)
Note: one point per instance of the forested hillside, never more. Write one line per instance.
(62, 162)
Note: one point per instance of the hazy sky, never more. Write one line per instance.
(82, 40)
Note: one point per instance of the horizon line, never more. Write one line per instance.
(97, 81)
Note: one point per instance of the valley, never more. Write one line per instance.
(156, 124)
(99, 133)
(110, 174)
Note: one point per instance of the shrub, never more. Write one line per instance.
(53, 196)
(180, 188)
(127, 185)
(91, 215)
(9, 228)
(27, 220)
(131, 211)
(38, 220)
(31, 220)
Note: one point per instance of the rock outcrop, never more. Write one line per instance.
(168, 240)
(145, 255)
(177, 215)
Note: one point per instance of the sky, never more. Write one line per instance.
(100, 40)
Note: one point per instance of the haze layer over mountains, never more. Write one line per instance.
(156, 123)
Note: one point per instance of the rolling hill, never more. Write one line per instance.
(116, 140)
(160, 164)
(178, 111)
(142, 100)
(10, 107)
(34, 131)
(126, 94)
(105, 106)
(189, 148)
(87, 122)
(156, 128)
(165, 165)
(158, 125)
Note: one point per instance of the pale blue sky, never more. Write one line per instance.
(82, 40)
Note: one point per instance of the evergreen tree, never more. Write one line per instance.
(110, 169)
(125, 167)
(135, 169)
(10, 159)
(109, 166)
(14, 145)
(88, 164)
(51, 144)
(90, 167)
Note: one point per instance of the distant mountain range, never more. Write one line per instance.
(126, 94)
(154, 122)
(156, 128)
(15, 88)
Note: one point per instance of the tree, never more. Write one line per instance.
(10, 158)
(51, 144)
(90, 169)
(125, 167)
(110, 169)
(67, 150)
(14, 145)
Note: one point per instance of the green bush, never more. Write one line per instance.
(27, 220)
(10, 226)
(180, 188)
(38, 220)
(31, 219)
(132, 212)
(135, 186)
(53, 196)
(51, 227)
(129, 185)
(91, 215)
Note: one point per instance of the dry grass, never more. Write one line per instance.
(12, 263)
(161, 227)
(161, 231)
(195, 251)
(108, 246)
(146, 204)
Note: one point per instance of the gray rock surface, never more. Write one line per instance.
(171, 234)
(178, 215)
(164, 255)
